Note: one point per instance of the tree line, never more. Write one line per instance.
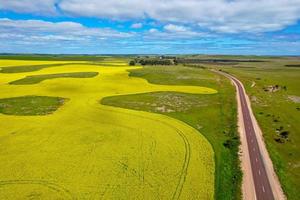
(152, 61)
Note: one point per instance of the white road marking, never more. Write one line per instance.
(244, 102)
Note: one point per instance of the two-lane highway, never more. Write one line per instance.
(261, 180)
(262, 185)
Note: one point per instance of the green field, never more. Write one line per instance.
(58, 141)
(34, 79)
(30, 105)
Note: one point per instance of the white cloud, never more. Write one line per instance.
(175, 28)
(176, 31)
(229, 16)
(27, 36)
(62, 37)
(137, 25)
(153, 30)
(113, 9)
(217, 15)
(172, 31)
(29, 6)
(20, 35)
(67, 29)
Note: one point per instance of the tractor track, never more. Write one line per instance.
(53, 186)
(187, 156)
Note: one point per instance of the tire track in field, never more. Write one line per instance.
(185, 166)
(187, 147)
(130, 170)
(52, 186)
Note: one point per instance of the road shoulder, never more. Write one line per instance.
(248, 188)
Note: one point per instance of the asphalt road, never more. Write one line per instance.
(261, 181)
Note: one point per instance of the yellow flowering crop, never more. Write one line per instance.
(86, 150)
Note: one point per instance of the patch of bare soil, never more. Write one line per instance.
(167, 103)
(294, 99)
(163, 109)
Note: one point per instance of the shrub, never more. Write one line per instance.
(284, 134)
(132, 63)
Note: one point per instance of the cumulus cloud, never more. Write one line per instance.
(112, 9)
(175, 28)
(171, 31)
(29, 35)
(29, 6)
(40, 36)
(40, 27)
(215, 15)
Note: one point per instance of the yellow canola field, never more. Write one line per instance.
(86, 150)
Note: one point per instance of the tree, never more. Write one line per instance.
(132, 63)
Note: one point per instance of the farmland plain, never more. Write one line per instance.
(82, 149)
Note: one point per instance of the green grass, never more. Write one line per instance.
(39, 78)
(213, 115)
(30, 105)
(30, 68)
(277, 113)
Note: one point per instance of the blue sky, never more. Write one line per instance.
(256, 27)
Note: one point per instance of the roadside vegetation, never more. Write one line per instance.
(212, 115)
(273, 89)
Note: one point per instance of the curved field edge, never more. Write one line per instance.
(31, 68)
(34, 79)
(217, 122)
(23, 68)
